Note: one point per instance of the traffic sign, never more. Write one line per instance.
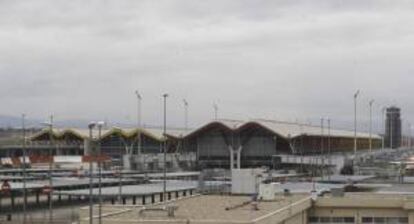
(5, 187)
(47, 189)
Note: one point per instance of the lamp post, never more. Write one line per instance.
(49, 125)
(100, 125)
(185, 114)
(383, 127)
(24, 169)
(410, 135)
(355, 122)
(215, 107)
(329, 147)
(322, 147)
(91, 126)
(370, 124)
(139, 124)
(390, 113)
(165, 148)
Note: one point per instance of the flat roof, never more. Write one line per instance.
(214, 209)
(344, 178)
(64, 182)
(143, 189)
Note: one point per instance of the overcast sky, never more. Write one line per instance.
(277, 59)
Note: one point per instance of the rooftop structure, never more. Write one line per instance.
(361, 208)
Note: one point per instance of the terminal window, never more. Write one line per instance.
(328, 220)
(384, 220)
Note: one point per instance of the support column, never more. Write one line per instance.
(231, 157)
(239, 150)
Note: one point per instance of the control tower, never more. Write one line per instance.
(393, 128)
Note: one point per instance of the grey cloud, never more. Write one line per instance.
(276, 59)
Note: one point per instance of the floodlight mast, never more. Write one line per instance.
(49, 125)
(100, 124)
(24, 169)
(185, 114)
(165, 148)
(139, 120)
(355, 122)
(91, 126)
(370, 124)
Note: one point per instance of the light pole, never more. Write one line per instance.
(139, 99)
(355, 122)
(329, 147)
(383, 127)
(390, 114)
(165, 148)
(24, 169)
(215, 107)
(91, 126)
(185, 114)
(411, 137)
(52, 143)
(322, 147)
(370, 124)
(100, 125)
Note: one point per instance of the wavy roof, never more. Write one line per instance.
(280, 128)
(283, 129)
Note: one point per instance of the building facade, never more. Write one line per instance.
(393, 130)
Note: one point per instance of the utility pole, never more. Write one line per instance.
(165, 148)
(370, 124)
(355, 122)
(24, 169)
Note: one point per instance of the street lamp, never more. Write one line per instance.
(355, 121)
(383, 127)
(370, 124)
(100, 124)
(24, 169)
(215, 107)
(51, 139)
(139, 99)
(410, 135)
(91, 126)
(185, 114)
(322, 147)
(165, 147)
(329, 148)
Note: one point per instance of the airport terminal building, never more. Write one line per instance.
(220, 143)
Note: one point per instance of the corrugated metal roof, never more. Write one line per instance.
(281, 128)
(286, 129)
(154, 133)
(292, 130)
